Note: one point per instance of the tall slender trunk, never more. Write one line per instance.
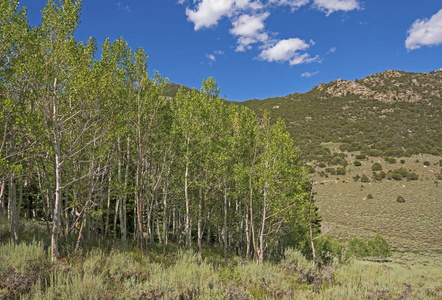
(165, 211)
(56, 211)
(252, 228)
(261, 234)
(186, 195)
(225, 220)
(66, 205)
(139, 204)
(123, 224)
(310, 224)
(200, 218)
(13, 208)
(20, 198)
(247, 227)
(108, 204)
(2, 203)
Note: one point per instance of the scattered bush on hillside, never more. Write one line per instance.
(427, 163)
(356, 178)
(395, 176)
(379, 176)
(401, 173)
(379, 247)
(412, 176)
(338, 161)
(402, 161)
(376, 167)
(361, 156)
(357, 163)
(332, 171)
(365, 178)
(328, 249)
(341, 171)
(390, 160)
(369, 196)
(440, 162)
(322, 165)
(357, 248)
(400, 199)
(376, 247)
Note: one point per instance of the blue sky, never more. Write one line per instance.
(267, 48)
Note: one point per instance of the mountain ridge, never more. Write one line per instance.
(392, 113)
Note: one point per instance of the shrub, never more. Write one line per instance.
(357, 177)
(331, 171)
(338, 161)
(412, 176)
(361, 156)
(400, 199)
(376, 167)
(427, 163)
(390, 160)
(322, 165)
(402, 161)
(364, 178)
(357, 248)
(379, 247)
(327, 249)
(379, 176)
(396, 176)
(357, 163)
(341, 171)
(376, 247)
(369, 196)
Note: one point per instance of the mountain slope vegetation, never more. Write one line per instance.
(386, 114)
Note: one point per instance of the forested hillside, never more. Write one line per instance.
(91, 147)
(387, 114)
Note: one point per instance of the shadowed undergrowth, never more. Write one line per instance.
(26, 272)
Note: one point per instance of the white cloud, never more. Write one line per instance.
(218, 52)
(248, 19)
(294, 4)
(250, 30)
(288, 50)
(427, 32)
(308, 74)
(209, 12)
(330, 6)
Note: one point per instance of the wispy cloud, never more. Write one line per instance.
(212, 56)
(332, 50)
(123, 6)
(294, 4)
(426, 32)
(308, 74)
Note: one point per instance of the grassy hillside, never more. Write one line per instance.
(362, 209)
(386, 114)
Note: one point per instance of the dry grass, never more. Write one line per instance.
(414, 226)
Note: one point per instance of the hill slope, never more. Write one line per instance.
(390, 114)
